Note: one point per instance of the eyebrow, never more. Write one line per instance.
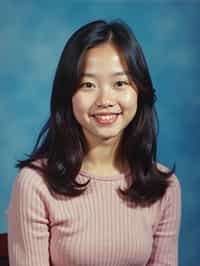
(121, 73)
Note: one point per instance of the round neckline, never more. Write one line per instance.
(104, 178)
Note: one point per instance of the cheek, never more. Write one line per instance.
(76, 103)
(80, 105)
(129, 101)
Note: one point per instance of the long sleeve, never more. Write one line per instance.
(28, 234)
(96, 228)
(165, 238)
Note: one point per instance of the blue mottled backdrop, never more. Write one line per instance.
(32, 36)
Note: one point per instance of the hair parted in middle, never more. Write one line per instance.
(61, 142)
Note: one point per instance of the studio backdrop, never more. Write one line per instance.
(32, 34)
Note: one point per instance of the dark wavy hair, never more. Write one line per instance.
(61, 145)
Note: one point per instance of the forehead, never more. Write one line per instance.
(104, 57)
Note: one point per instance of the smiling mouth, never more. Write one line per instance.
(106, 119)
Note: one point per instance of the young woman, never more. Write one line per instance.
(92, 192)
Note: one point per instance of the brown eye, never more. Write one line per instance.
(87, 85)
(121, 83)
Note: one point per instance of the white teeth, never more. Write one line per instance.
(105, 117)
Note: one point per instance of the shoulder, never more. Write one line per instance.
(29, 180)
(174, 180)
(168, 210)
(173, 191)
(29, 196)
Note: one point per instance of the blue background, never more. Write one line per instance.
(32, 36)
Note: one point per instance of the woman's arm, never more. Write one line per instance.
(166, 235)
(28, 230)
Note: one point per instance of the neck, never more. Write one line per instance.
(103, 157)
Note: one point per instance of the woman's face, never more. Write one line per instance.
(106, 100)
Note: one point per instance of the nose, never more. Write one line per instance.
(104, 104)
(104, 98)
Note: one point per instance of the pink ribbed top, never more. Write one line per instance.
(95, 229)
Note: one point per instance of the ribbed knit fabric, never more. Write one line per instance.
(95, 229)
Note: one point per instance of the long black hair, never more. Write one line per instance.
(61, 145)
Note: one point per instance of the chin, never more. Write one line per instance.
(109, 137)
